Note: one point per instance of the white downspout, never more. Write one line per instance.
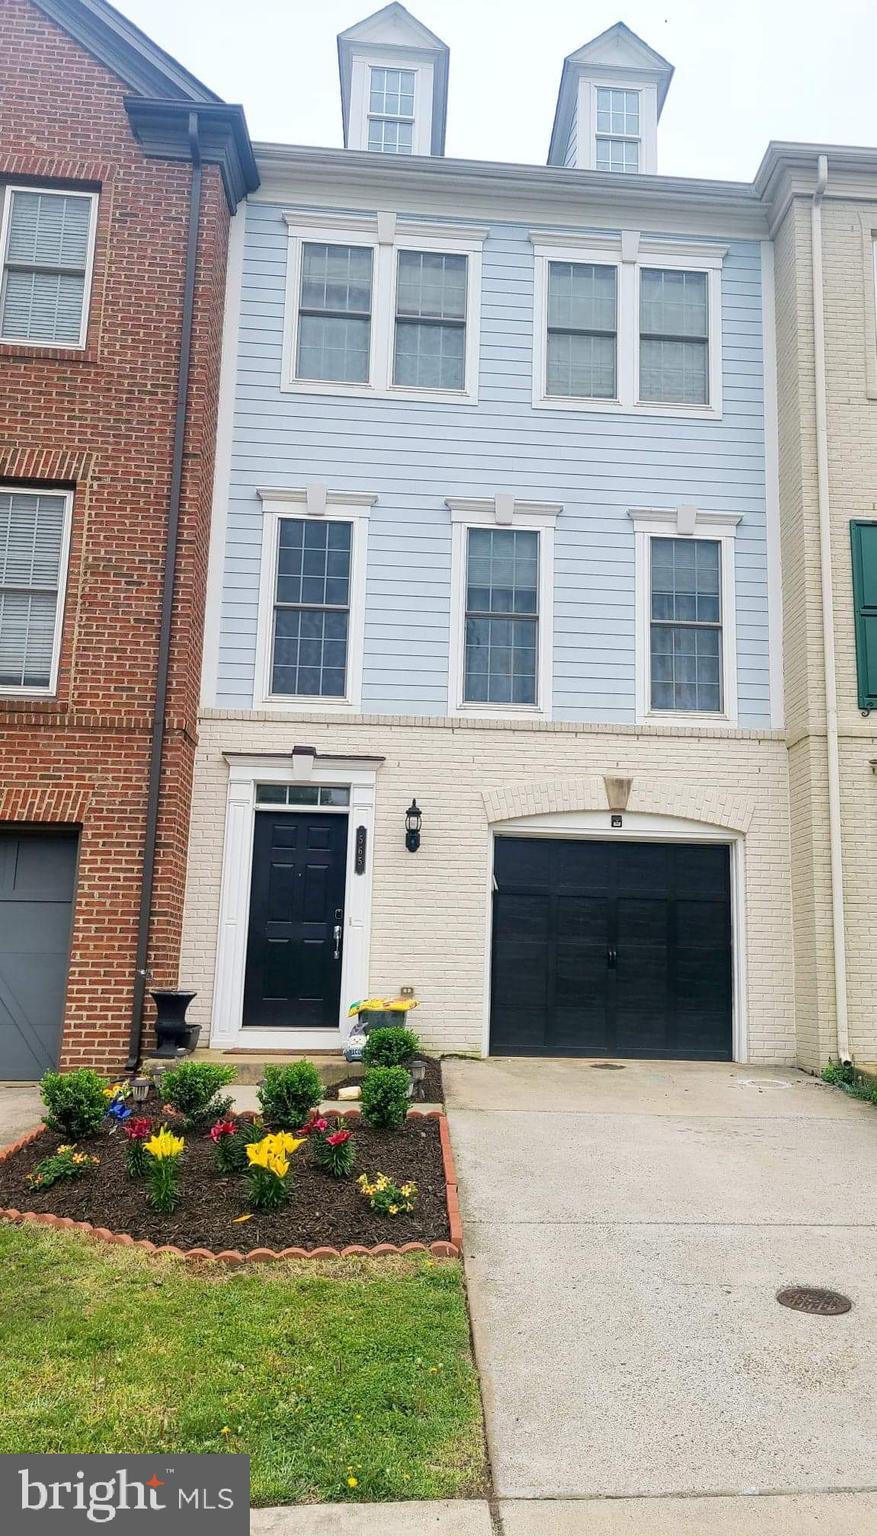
(831, 733)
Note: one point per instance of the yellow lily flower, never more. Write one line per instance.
(164, 1144)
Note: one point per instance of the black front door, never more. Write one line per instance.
(293, 978)
(611, 948)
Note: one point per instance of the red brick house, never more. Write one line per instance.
(118, 174)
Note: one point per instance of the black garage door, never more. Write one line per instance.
(611, 949)
(37, 874)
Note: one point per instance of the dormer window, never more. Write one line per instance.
(612, 92)
(394, 85)
(617, 118)
(391, 110)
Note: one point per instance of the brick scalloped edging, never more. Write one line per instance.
(439, 1250)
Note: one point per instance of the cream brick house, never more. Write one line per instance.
(823, 213)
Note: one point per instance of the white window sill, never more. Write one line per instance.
(296, 703)
(11, 692)
(577, 403)
(497, 712)
(658, 408)
(686, 717)
(619, 408)
(371, 392)
(41, 344)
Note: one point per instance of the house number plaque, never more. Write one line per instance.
(359, 858)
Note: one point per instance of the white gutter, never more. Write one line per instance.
(831, 732)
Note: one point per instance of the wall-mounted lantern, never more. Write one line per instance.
(413, 823)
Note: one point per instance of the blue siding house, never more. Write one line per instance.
(495, 534)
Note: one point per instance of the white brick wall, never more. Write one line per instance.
(852, 429)
(429, 919)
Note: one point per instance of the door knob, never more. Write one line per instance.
(611, 957)
(336, 931)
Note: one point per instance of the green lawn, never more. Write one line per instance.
(321, 1372)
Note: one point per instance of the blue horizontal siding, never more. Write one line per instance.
(412, 454)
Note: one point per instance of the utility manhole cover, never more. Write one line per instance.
(607, 1066)
(810, 1298)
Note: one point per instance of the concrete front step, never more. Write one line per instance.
(250, 1065)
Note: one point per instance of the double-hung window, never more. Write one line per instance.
(627, 323)
(430, 327)
(582, 330)
(334, 316)
(47, 240)
(311, 609)
(674, 337)
(391, 110)
(686, 648)
(311, 600)
(34, 531)
(502, 616)
(383, 317)
(686, 625)
(618, 129)
(502, 568)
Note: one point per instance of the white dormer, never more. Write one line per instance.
(394, 85)
(612, 92)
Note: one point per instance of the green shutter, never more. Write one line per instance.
(864, 543)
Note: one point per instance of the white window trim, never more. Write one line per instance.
(587, 119)
(502, 511)
(360, 94)
(338, 506)
(245, 771)
(628, 252)
(685, 522)
(385, 236)
(647, 151)
(29, 341)
(12, 690)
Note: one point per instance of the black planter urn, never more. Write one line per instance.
(173, 1034)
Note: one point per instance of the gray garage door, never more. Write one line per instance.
(37, 874)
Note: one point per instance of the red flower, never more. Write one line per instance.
(222, 1128)
(338, 1138)
(314, 1127)
(139, 1129)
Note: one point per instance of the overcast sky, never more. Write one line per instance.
(746, 72)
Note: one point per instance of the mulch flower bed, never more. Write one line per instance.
(322, 1211)
(433, 1088)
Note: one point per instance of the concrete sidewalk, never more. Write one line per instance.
(833, 1514)
(625, 1235)
(463, 1517)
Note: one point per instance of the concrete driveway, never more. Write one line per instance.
(625, 1235)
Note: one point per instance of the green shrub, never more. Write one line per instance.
(385, 1097)
(390, 1047)
(75, 1103)
(288, 1094)
(192, 1089)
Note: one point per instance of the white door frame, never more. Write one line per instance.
(245, 772)
(638, 827)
